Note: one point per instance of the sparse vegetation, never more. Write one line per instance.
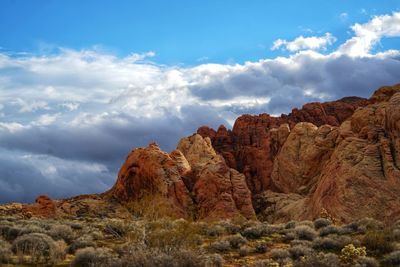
(178, 242)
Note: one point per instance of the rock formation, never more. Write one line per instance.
(341, 157)
(252, 144)
(193, 175)
(150, 171)
(219, 191)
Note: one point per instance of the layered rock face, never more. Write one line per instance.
(362, 177)
(254, 141)
(343, 157)
(192, 178)
(219, 191)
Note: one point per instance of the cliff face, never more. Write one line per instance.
(254, 141)
(346, 164)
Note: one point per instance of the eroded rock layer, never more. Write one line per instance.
(251, 146)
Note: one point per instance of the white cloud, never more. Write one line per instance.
(370, 33)
(46, 119)
(11, 127)
(30, 106)
(70, 106)
(305, 43)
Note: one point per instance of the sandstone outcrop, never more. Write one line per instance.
(150, 171)
(219, 191)
(194, 180)
(250, 147)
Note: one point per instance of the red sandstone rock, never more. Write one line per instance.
(150, 171)
(219, 191)
(251, 147)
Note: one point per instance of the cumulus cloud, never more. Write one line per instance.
(369, 34)
(305, 43)
(71, 118)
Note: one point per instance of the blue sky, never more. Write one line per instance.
(82, 83)
(180, 32)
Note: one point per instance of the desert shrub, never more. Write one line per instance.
(28, 229)
(82, 242)
(244, 251)
(261, 247)
(305, 232)
(378, 242)
(299, 251)
(318, 260)
(62, 232)
(219, 246)
(184, 236)
(326, 243)
(139, 257)
(321, 222)
(366, 262)
(255, 232)
(117, 228)
(370, 224)
(5, 251)
(229, 227)
(350, 254)
(90, 257)
(40, 247)
(76, 225)
(279, 254)
(214, 260)
(290, 225)
(392, 259)
(288, 235)
(215, 230)
(236, 241)
(151, 207)
(10, 233)
(329, 230)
